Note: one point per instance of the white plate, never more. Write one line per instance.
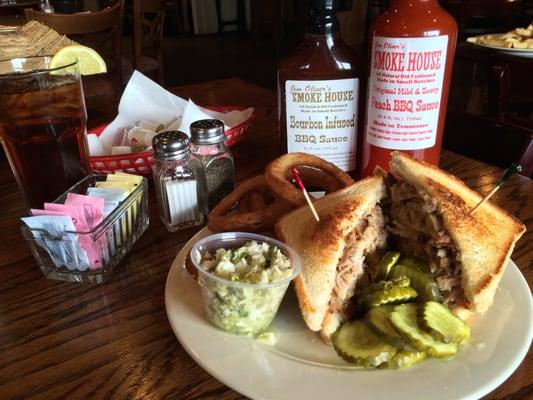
(528, 53)
(300, 366)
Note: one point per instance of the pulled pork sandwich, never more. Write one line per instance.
(429, 216)
(333, 251)
(419, 210)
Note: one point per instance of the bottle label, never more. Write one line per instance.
(405, 91)
(322, 119)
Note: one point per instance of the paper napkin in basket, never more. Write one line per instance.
(145, 100)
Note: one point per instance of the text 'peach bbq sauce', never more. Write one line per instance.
(411, 53)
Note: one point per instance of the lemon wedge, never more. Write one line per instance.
(89, 61)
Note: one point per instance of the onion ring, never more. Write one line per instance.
(319, 173)
(317, 179)
(220, 219)
(254, 200)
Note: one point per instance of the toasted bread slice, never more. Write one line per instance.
(484, 240)
(321, 244)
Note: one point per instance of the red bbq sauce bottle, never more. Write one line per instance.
(318, 92)
(411, 52)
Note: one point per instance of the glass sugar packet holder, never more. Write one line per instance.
(93, 255)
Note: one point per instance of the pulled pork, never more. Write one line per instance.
(368, 236)
(418, 229)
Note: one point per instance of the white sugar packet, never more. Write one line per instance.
(145, 100)
(112, 197)
(96, 146)
(62, 246)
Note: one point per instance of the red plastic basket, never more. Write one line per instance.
(141, 163)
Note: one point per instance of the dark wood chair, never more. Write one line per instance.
(101, 30)
(527, 8)
(510, 88)
(489, 140)
(276, 17)
(379, 6)
(475, 17)
(148, 24)
(353, 24)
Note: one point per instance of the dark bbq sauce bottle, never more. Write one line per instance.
(318, 92)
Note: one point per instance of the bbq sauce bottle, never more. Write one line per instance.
(411, 51)
(318, 92)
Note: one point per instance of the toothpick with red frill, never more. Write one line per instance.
(299, 182)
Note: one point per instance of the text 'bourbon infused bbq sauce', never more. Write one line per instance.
(412, 47)
(318, 92)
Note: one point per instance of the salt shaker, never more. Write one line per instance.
(179, 183)
(207, 137)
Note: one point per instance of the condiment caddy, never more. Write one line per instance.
(83, 234)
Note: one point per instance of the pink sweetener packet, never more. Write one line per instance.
(92, 208)
(38, 212)
(80, 224)
(78, 219)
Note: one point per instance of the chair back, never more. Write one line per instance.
(353, 23)
(153, 6)
(510, 87)
(148, 23)
(101, 30)
(380, 5)
(489, 140)
(475, 17)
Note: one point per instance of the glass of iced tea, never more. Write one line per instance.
(42, 126)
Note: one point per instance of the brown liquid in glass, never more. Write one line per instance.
(43, 134)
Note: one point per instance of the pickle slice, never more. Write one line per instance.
(442, 323)
(404, 320)
(393, 295)
(357, 344)
(415, 262)
(422, 282)
(405, 359)
(388, 261)
(374, 287)
(402, 281)
(378, 320)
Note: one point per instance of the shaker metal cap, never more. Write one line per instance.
(171, 145)
(207, 131)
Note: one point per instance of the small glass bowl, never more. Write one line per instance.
(240, 308)
(110, 240)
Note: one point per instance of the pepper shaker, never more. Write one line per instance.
(207, 137)
(178, 179)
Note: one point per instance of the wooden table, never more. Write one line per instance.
(63, 340)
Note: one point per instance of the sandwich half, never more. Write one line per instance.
(417, 209)
(429, 217)
(333, 251)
